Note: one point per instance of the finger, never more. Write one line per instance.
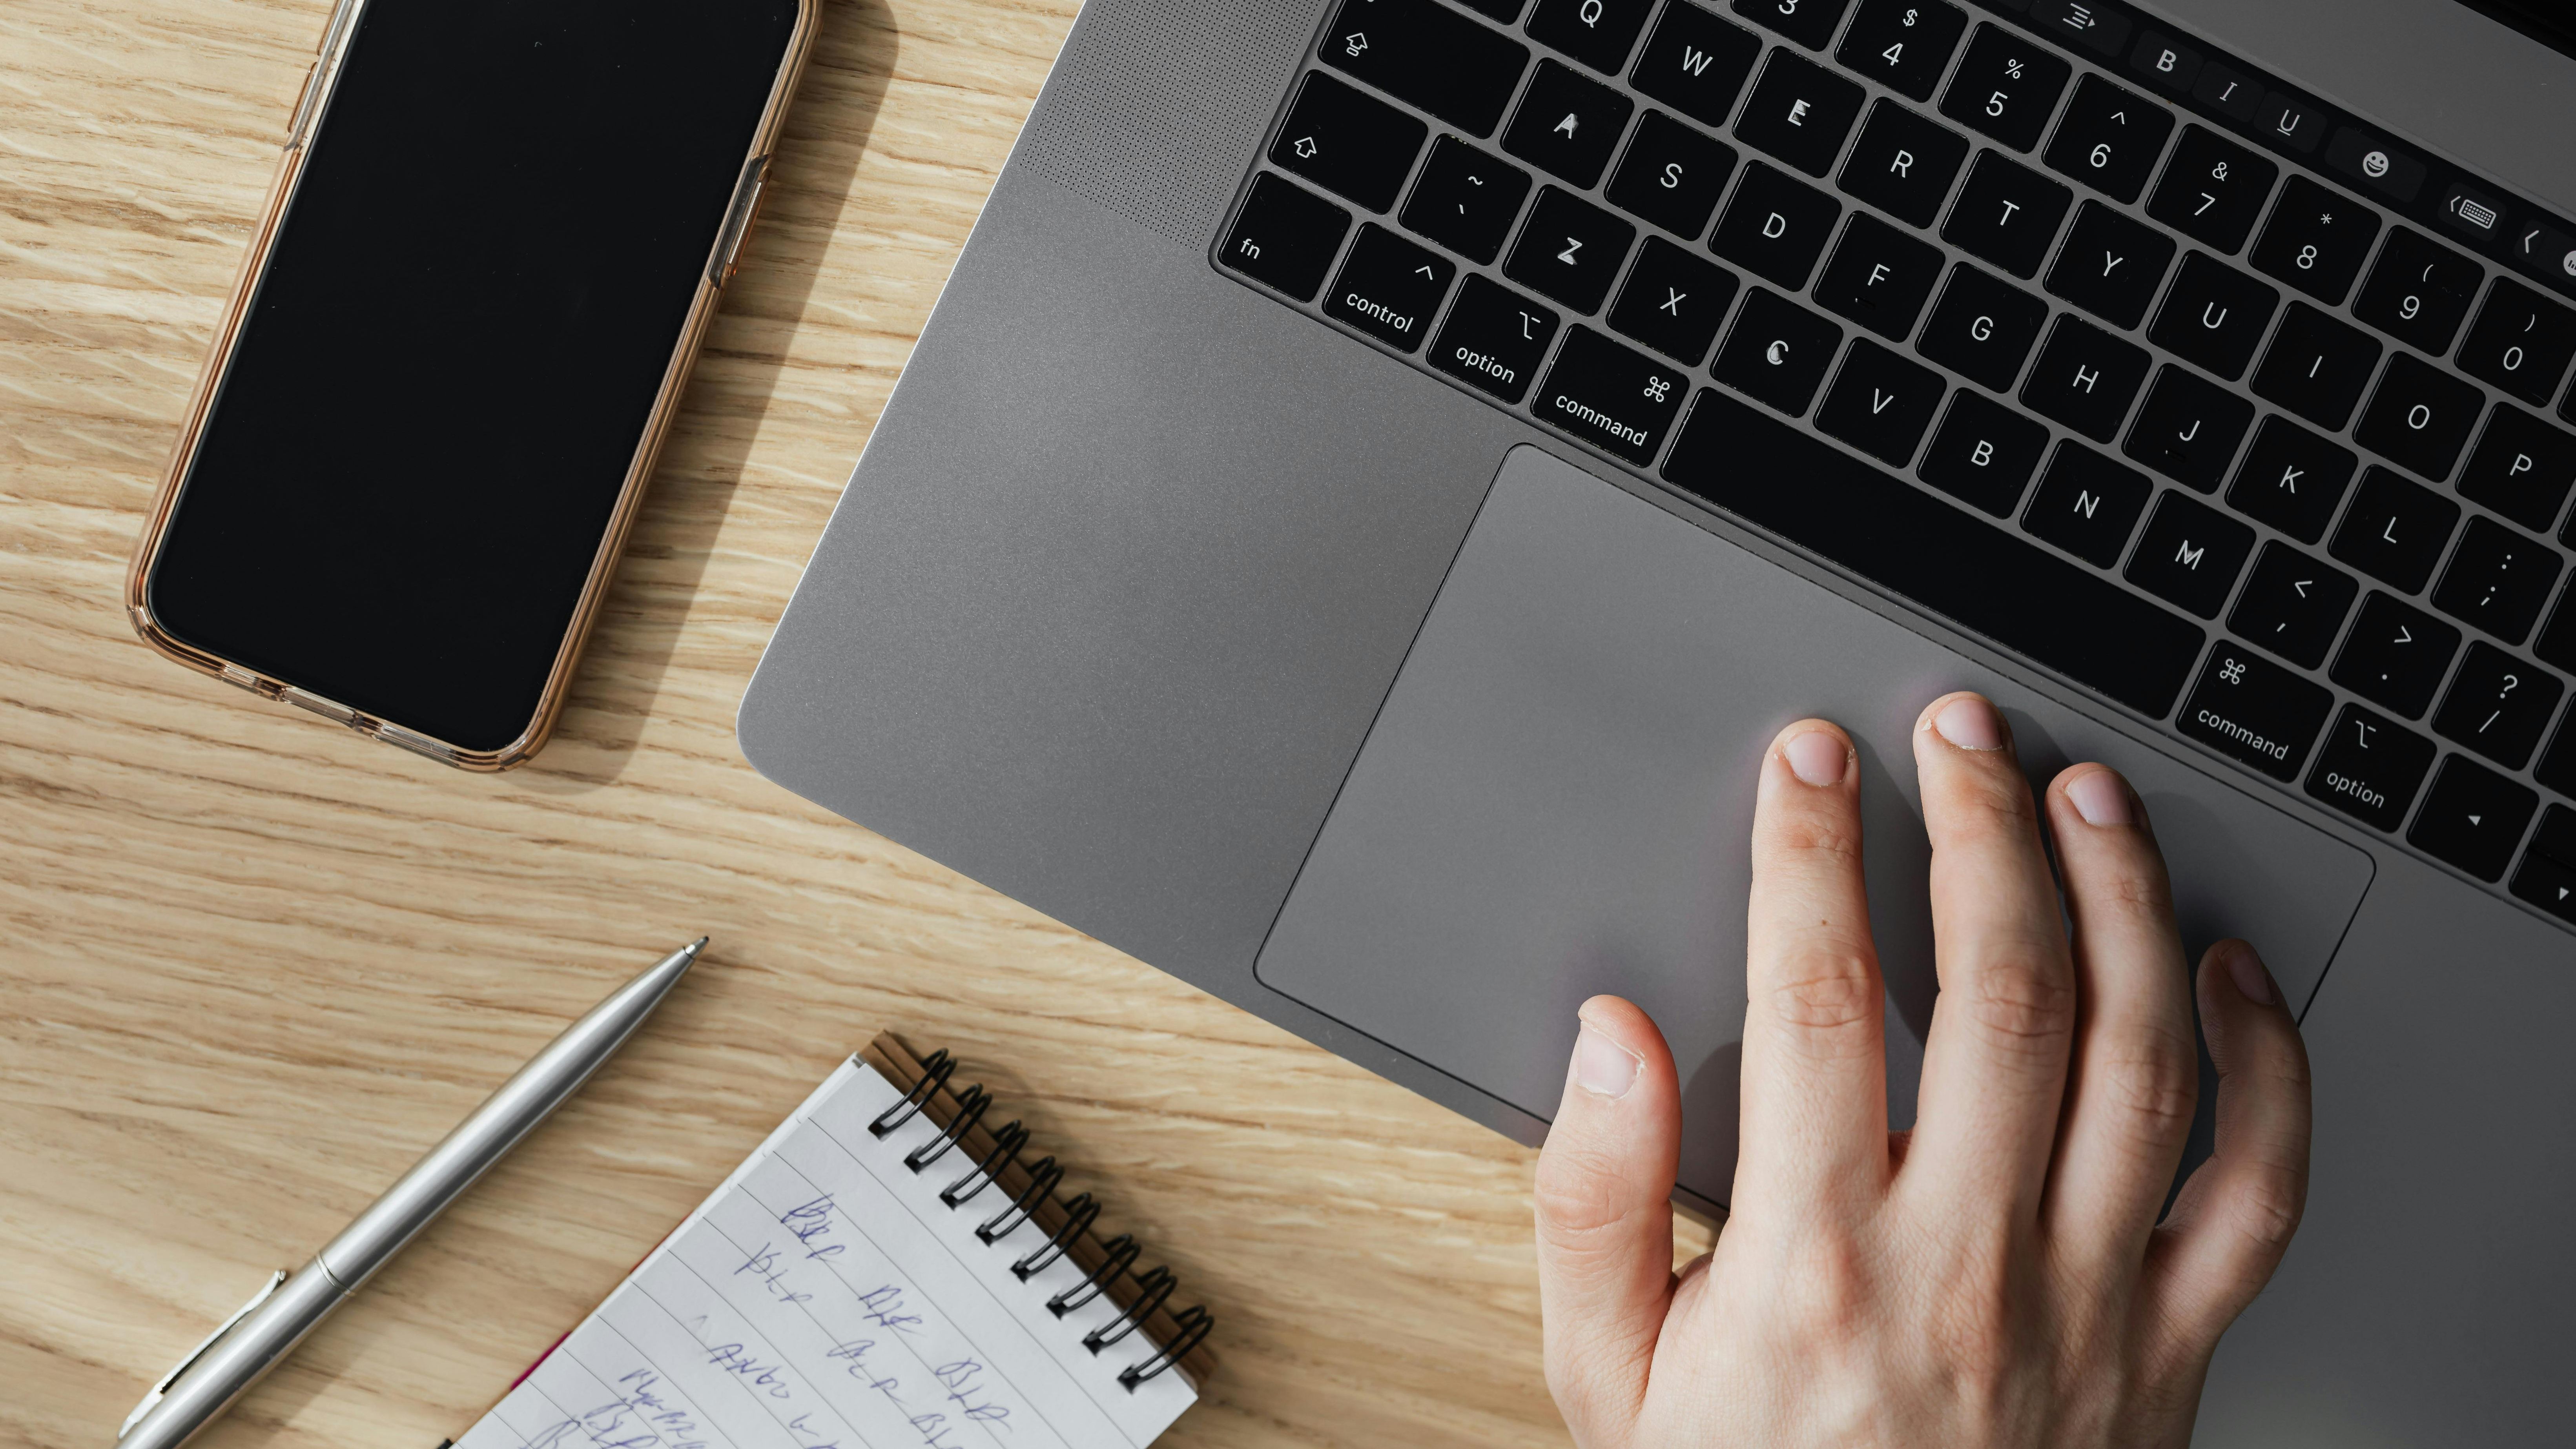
(1605, 1220)
(1994, 1064)
(2235, 1217)
(2136, 1075)
(1814, 1125)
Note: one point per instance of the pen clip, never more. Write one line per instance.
(276, 1281)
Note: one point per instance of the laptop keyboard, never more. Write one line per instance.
(2042, 316)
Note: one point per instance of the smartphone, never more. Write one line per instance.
(497, 238)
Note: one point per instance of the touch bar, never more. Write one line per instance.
(1987, 581)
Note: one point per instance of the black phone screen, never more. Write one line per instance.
(454, 351)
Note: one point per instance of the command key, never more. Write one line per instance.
(2255, 711)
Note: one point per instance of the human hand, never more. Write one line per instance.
(1997, 1276)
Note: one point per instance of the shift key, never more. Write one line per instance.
(1617, 400)
(2255, 711)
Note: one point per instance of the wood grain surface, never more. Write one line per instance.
(255, 965)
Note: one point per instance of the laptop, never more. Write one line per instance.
(1381, 471)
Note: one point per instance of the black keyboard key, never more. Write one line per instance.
(1904, 45)
(1285, 237)
(2007, 214)
(2547, 879)
(1904, 164)
(2189, 429)
(1808, 22)
(1879, 277)
(1671, 175)
(2110, 265)
(2395, 530)
(1595, 32)
(1346, 140)
(2087, 504)
(2288, 121)
(2292, 479)
(2396, 655)
(2498, 706)
(2214, 316)
(1946, 560)
(2085, 378)
(2520, 342)
(2190, 554)
(1465, 200)
(2005, 87)
(2316, 240)
(1983, 453)
(1799, 112)
(2317, 367)
(1494, 339)
(2293, 605)
(2420, 417)
(2418, 292)
(2256, 712)
(2166, 63)
(2370, 768)
(1389, 288)
(1880, 403)
(1619, 401)
(2557, 644)
(1673, 301)
(1776, 352)
(1428, 55)
(2497, 580)
(1775, 227)
(2212, 190)
(2557, 770)
(2109, 138)
(1983, 328)
(1567, 124)
(2473, 818)
(1696, 63)
(2522, 468)
(2232, 93)
(1569, 250)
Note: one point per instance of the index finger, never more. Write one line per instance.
(1815, 1076)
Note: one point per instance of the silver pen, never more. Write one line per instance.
(250, 1343)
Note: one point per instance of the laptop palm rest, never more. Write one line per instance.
(1555, 801)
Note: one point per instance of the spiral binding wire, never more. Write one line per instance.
(1190, 1326)
(1121, 1251)
(971, 1107)
(1006, 1149)
(936, 1069)
(1151, 1290)
(1042, 1180)
(1078, 1215)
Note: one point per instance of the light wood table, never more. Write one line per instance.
(254, 965)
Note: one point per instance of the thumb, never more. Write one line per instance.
(1605, 1219)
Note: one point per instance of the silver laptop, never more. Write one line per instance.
(1382, 470)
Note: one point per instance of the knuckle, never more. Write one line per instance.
(1580, 1193)
(2021, 1002)
(2157, 1082)
(1817, 835)
(2266, 1208)
(1828, 992)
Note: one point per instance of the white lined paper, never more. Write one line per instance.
(824, 1297)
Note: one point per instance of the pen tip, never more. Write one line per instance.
(692, 949)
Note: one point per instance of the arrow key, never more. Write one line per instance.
(2473, 818)
(2548, 875)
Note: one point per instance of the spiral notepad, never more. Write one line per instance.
(884, 1272)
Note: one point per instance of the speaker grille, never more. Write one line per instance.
(1155, 108)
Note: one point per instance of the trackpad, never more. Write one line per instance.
(1556, 798)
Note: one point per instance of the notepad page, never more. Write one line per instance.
(824, 1297)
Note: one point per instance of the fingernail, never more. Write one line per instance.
(2102, 798)
(2246, 970)
(1817, 758)
(1970, 723)
(1603, 1067)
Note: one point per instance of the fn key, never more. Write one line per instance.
(1285, 237)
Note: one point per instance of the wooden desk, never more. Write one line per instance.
(257, 965)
